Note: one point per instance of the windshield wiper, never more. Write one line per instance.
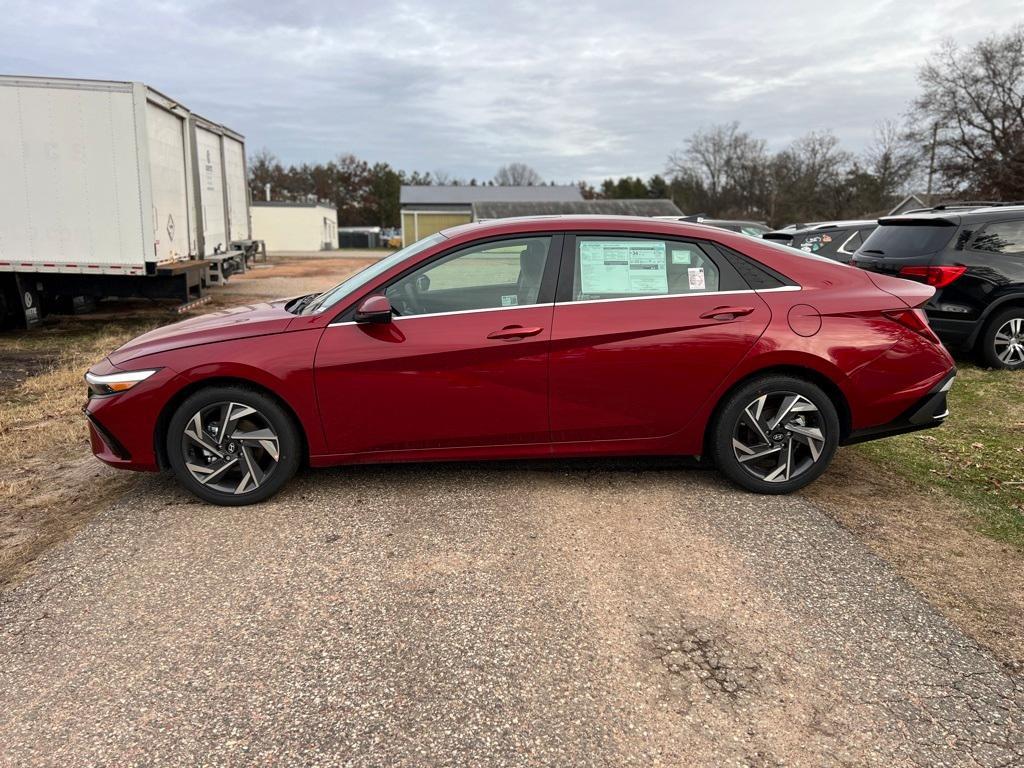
(302, 303)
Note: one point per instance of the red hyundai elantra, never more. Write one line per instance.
(554, 336)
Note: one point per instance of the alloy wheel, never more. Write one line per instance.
(230, 447)
(1009, 342)
(779, 436)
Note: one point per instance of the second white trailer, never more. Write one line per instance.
(222, 193)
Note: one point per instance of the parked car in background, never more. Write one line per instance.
(752, 228)
(534, 337)
(838, 240)
(974, 258)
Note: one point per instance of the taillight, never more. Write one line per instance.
(938, 277)
(914, 319)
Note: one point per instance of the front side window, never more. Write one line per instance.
(1002, 237)
(623, 267)
(493, 275)
(328, 299)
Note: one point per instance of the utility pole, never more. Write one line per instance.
(266, 188)
(931, 161)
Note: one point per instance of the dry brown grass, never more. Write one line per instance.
(49, 482)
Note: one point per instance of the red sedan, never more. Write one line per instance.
(521, 338)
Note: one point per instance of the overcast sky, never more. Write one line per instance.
(579, 90)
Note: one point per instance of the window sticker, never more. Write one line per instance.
(623, 267)
(510, 301)
(696, 275)
(682, 256)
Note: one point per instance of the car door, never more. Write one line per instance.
(644, 330)
(463, 363)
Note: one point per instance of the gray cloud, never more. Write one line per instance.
(578, 90)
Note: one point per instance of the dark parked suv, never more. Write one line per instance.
(975, 260)
(838, 240)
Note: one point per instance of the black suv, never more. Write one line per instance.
(838, 240)
(975, 259)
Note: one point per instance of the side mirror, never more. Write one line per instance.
(374, 309)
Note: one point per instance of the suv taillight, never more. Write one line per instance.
(914, 319)
(939, 277)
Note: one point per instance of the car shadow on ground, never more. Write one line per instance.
(406, 473)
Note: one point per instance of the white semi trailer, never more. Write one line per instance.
(102, 194)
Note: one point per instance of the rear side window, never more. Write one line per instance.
(852, 243)
(1001, 237)
(815, 242)
(907, 240)
(624, 267)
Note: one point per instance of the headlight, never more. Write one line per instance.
(113, 383)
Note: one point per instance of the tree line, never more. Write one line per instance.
(963, 137)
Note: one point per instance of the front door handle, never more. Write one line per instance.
(726, 313)
(513, 332)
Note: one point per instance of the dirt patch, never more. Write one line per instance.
(18, 365)
(932, 541)
(299, 267)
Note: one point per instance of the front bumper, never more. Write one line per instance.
(122, 426)
(930, 411)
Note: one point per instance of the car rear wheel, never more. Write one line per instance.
(1002, 344)
(232, 446)
(775, 434)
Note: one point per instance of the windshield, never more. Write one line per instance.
(329, 298)
(907, 240)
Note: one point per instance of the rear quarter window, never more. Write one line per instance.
(1001, 237)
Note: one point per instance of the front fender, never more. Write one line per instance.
(281, 364)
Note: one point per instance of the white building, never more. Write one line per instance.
(295, 226)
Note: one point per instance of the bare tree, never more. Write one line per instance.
(722, 170)
(517, 175)
(973, 105)
(892, 158)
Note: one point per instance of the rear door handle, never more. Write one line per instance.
(513, 332)
(726, 313)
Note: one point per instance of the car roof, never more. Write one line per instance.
(584, 222)
(954, 216)
(848, 224)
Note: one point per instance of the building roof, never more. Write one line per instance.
(467, 195)
(288, 204)
(504, 210)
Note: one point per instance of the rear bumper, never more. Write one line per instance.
(930, 411)
(954, 333)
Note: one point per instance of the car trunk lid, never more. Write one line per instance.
(911, 293)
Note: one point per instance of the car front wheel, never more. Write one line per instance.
(775, 434)
(232, 446)
(1002, 345)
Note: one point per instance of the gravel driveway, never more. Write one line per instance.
(583, 613)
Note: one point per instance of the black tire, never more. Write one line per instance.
(228, 486)
(990, 348)
(808, 457)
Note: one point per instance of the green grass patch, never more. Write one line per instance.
(977, 456)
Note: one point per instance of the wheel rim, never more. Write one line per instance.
(779, 436)
(1009, 342)
(230, 447)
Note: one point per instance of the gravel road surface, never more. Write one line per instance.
(584, 613)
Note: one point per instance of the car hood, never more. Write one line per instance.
(236, 323)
